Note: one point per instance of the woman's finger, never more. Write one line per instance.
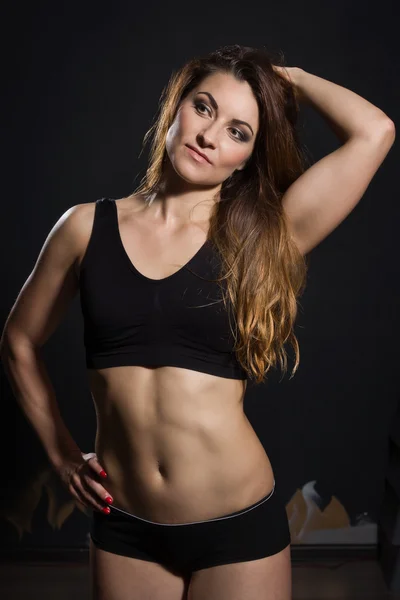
(92, 460)
(78, 496)
(283, 72)
(88, 455)
(84, 495)
(96, 488)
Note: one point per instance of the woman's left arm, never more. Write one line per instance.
(323, 196)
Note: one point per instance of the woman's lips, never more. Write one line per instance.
(197, 156)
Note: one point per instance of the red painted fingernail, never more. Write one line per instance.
(109, 499)
(106, 510)
(103, 473)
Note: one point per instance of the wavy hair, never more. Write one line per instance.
(264, 270)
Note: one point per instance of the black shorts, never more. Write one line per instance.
(253, 532)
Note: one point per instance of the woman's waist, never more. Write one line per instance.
(156, 478)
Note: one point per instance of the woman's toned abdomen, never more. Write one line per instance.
(180, 458)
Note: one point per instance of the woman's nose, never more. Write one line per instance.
(209, 136)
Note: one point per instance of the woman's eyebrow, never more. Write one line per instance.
(215, 107)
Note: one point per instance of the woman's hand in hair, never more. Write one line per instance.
(290, 74)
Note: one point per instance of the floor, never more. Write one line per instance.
(347, 580)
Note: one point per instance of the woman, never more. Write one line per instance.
(188, 288)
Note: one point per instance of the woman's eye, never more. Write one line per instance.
(240, 136)
(199, 105)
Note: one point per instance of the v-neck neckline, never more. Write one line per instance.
(132, 266)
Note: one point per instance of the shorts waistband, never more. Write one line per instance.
(229, 516)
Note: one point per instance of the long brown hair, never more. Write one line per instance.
(265, 272)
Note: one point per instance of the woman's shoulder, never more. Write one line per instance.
(82, 215)
(79, 222)
(134, 202)
(81, 219)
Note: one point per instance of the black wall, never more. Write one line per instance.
(82, 88)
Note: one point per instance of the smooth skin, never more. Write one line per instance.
(121, 578)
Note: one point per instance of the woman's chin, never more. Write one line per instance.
(190, 174)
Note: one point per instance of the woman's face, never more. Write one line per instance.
(220, 119)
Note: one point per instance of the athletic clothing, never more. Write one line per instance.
(180, 320)
(251, 533)
(130, 319)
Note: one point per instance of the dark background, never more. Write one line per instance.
(81, 88)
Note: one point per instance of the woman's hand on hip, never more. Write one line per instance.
(83, 479)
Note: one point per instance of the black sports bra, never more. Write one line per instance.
(130, 319)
